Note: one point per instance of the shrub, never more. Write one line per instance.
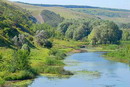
(48, 44)
(20, 61)
(52, 61)
(25, 47)
(53, 69)
(2, 81)
(53, 51)
(60, 55)
(20, 75)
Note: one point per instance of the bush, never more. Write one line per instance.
(52, 61)
(20, 75)
(56, 70)
(53, 70)
(19, 61)
(48, 44)
(59, 55)
(25, 47)
(2, 81)
(53, 51)
(110, 47)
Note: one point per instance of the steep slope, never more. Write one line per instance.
(51, 18)
(13, 21)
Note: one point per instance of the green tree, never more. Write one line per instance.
(106, 33)
(125, 35)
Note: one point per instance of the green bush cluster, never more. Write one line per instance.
(2, 81)
(59, 54)
(97, 31)
(122, 54)
(51, 61)
(20, 75)
(17, 67)
(110, 46)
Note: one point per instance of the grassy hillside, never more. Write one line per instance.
(13, 21)
(63, 12)
(51, 18)
(75, 11)
(118, 16)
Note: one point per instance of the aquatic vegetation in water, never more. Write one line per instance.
(94, 73)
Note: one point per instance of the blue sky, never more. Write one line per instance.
(122, 4)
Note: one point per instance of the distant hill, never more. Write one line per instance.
(76, 11)
(63, 12)
(74, 6)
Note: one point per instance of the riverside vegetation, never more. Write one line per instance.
(28, 48)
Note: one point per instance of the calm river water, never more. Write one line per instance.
(91, 70)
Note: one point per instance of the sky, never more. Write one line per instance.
(121, 4)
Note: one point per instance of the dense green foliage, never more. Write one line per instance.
(105, 33)
(13, 21)
(48, 30)
(75, 29)
(59, 55)
(20, 61)
(122, 54)
(99, 31)
(126, 35)
(17, 67)
(51, 18)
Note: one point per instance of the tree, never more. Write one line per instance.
(82, 31)
(50, 31)
(106, 33)
(40, 37)
(64, 26)
(125, 35)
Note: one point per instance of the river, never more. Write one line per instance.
(90, 70)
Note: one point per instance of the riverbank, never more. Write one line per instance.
(90, 68)
(46, 61)
(122, 54)
(117, 53)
